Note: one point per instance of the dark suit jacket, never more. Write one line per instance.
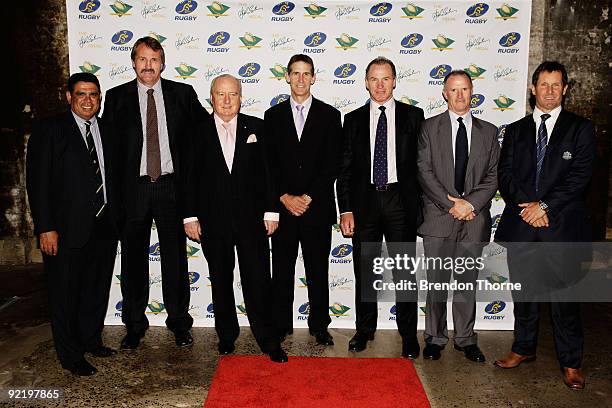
(308, 165)
(122, 112)
(355, 171)
(564, 178)
(222, 201)
(60, 179)
(437, 176)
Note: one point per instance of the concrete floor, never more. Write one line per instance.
(159, 374)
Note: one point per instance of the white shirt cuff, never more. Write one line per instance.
(271, 216)
(348, 212)
(190, 219)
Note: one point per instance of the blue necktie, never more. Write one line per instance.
(541, 143)
(380, 151)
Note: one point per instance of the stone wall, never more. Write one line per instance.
(576, 33)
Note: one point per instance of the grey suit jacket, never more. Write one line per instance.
(436, 174)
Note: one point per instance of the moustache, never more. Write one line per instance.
(143, 71)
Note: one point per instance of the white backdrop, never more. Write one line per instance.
(253, 40)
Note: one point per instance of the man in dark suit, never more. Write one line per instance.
(457, 160)
(230, 203)
(378, 194)
(303, 137)
(70, 185)
(150, 117)
(543, 181)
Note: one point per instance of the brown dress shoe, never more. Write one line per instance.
(573, 378)
(513, 360)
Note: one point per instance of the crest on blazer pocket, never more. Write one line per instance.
(567, 156)
(252, 138)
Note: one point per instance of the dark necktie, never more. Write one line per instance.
(541, 143)
(153, 154)
(93, 155)
(461, 157)
(380, 150)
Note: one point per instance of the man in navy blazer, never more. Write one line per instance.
(379, 196)
(72, 196)
(303, 139)
(545, 169)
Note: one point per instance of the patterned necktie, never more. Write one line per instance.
(93, 155)
(229, 145)
(299, 120)
(461, 157)
(380, 150)
(541, 143)
(153, 153)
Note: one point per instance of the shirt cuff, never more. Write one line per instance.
(271, 216)
(348, 212)
(190, 219)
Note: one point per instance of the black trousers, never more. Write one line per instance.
(157, 201)
(537, 271)
(254, 259)
(78, 281)
(386, 217)
(316, 243)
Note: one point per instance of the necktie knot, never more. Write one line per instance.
(226, 126)
(150, 91)
(299, 108)
(382, 109)
(545, 116)
(87, 125)
(460, 120)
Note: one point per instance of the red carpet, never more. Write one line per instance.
(254, 381)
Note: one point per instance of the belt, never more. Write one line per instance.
(386, 187)
(148, 179)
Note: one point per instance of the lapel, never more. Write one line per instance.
(528, 132)
(476, 145)
(445, 132)
(310, 119)
(364, 128)
(401, 121)
(289, 124)
(76, 137)
(133, 110)
(241, 139)
(171, 116)
(561, 124)
(215, 144)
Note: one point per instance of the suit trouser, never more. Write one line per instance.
(78, 282)
(457, 245)
(316, 243)
(386, 217)
(254, 262)
(525, 265)
(156, 202)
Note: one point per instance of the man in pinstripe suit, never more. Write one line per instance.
(457, 161)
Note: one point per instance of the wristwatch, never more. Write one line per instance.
(543, 206)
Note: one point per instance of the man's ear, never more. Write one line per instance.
(68, 96)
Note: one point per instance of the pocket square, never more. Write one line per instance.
(252, 138)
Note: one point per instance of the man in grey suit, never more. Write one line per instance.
(457, 171)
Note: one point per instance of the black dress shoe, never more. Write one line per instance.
(432, 351)
(278, 355)
(131, 341)
(82, 368)
(183, 338)
(102, 351)
(360, 341)
(226, 347)
(284, 333)
(411, 349)
(323, 337)
(472, 352)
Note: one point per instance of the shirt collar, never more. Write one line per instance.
(144, 88)
(81, 122)
(467, 117)
(554, 114)
(219, 122)
(389, 105)
(306, 103)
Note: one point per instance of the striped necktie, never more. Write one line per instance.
(541, 143)
(93, 155)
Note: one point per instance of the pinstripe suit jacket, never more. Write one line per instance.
(436, 174)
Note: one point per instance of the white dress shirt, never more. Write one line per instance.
(95, 133)
(391, 159)
(307, 103)
(467, 121)
(550, 122)
(162, 128)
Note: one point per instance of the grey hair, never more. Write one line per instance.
(214, 81)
